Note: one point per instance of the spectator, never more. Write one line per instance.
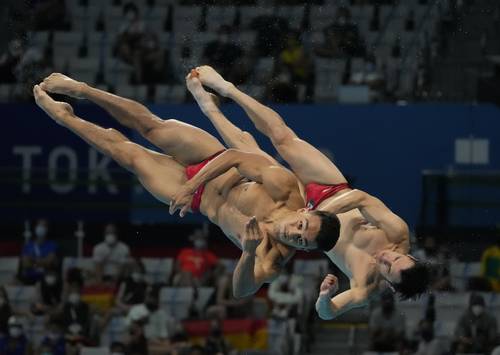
(386, 326)
(215, 344)
(490, 265)
(476, 329)
(76, 316)
(154, 67)
(225, 55)
(160, 326)
(195, 266)
(298, 64)
(128, 46)
(110, 255)
(281, 90)
(226, 306)
(428, 344)
(10, 60)
(49, 292)
(38, 255)
(136, 319)
(5, 311)
(53, 342)
(342, 38)
(132, 289)
(286, 296)
(15, 342)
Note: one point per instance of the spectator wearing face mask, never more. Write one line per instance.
(387, 331)
(195, 266)
(49, 292)
(137, 318)
(5, 311)
(53, 342)
(128, 46)
(286, 296)
(76, 316)
(39, 255)
(160, 326)
(132, 289)
(15, 342)
(476, 329)
(110, 256)
(428, 344)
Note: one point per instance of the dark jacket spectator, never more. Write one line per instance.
(477, 329)
(49, 291)
(15, 342)
(224, 55)
(387, 331)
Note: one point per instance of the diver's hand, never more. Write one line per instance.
(329, 286)
(181, 201)
(252, 236)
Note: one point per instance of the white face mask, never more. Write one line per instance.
(15, 332)
(74, 298)
(53, 336)
(477, 310)
(200, 243)
(137, 276)
(75, 328)
(282, 279)
(50, 280)
(40, 231)
(110, 238)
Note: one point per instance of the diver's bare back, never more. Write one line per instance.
(229, 201)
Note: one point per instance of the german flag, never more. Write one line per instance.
(241, 334)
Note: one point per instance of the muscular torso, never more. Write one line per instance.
(230, 201)
(358, 242)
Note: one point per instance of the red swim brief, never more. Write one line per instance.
(191, 171)
(317, 193)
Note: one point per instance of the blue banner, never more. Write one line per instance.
(382, 148)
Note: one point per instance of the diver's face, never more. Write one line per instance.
(298, 230)
(391, 264)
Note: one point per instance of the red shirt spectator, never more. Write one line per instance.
(196, 261)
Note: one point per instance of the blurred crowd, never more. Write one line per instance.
(282, 56)
(77, 304)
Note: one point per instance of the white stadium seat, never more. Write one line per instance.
(158, 270)
(176, 301)
(8, 269)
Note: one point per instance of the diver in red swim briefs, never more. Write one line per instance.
(373, 246)
(249, 196)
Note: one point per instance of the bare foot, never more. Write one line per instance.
(57, 110)
(61, 84)
(209, 77)
(203, 98)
